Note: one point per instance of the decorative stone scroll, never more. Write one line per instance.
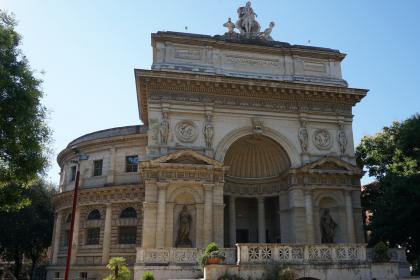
(186, 131)
(322, 139)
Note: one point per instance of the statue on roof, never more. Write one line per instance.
(247, 24)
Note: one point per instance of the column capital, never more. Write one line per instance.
(162, 185)
(260, 199)
(208, 187)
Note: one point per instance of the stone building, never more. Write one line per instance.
(244, 140)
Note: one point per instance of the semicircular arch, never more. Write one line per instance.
(174, 194)
(229, 139)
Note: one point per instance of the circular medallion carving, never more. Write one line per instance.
(186, 131)
(322, 139)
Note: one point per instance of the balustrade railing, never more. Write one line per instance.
(257, 253)
(178, 256)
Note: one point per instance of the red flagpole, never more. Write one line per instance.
(73, 211)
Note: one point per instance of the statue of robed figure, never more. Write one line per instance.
(185, 219)
(328, 227)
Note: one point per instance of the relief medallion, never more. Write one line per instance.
(322, 139)
(186, 131)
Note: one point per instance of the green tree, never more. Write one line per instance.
(28, 231)
(119, 269)
(393, 157)
(24, 134)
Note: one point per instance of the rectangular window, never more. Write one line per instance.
(83, 275)
(97, 167)
(92, 236)
(66, 238)
(127, 235)
(57, 275)
(73, 173)
(131, 163)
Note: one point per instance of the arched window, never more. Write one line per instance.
(129, 212)
(68, 219)
(94, 215)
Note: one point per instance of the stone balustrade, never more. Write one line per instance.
(177, 256)
(257, 253)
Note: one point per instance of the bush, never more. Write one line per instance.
(380, 252)
(211, 247)
(211, 251)
(148, 276)
(279, 272)
(118, 268)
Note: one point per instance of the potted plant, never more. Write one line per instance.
(212, 255)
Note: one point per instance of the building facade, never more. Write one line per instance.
(244, 140)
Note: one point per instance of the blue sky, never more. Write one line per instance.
(89, 49)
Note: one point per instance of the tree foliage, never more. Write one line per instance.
(119, 269)
(28, 231)
(393, 157)
(24, 134)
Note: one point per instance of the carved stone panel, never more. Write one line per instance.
(322, 139)
(186, 131)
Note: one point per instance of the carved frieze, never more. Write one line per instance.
(322, 139)
(186, 131)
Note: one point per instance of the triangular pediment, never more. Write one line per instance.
(187, 157)
(330, 164)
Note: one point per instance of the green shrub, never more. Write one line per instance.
(118, 268)
(148, 276)
(211, 247)
(211, 251)
(380, 252)
(287, 274)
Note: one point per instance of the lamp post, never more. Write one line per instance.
(73, 210)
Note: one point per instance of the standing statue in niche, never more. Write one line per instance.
(328, 227)
(303, 137)
(246, 23)
(164, 129)
(208, 131)
(184, 227)
(342, 139)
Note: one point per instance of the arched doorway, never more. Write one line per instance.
(254, 180)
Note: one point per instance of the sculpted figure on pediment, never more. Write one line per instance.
(208, 131)
(342, 139)
(185, 219)
(164, 129)
(303, 137)
(247, 24)
(328, 227)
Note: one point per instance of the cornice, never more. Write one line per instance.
(278, 48)
(209, 88)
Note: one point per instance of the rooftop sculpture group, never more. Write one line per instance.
(247, 25)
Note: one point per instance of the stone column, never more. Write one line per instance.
(57, 233)
(106, 246)
(232, 221)
(161, 215)
(169, 239)
(110, 178)
(261, 220)
(75, 237)
(309, 217)
(199, 238)
(208, 214)
(349, 217)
